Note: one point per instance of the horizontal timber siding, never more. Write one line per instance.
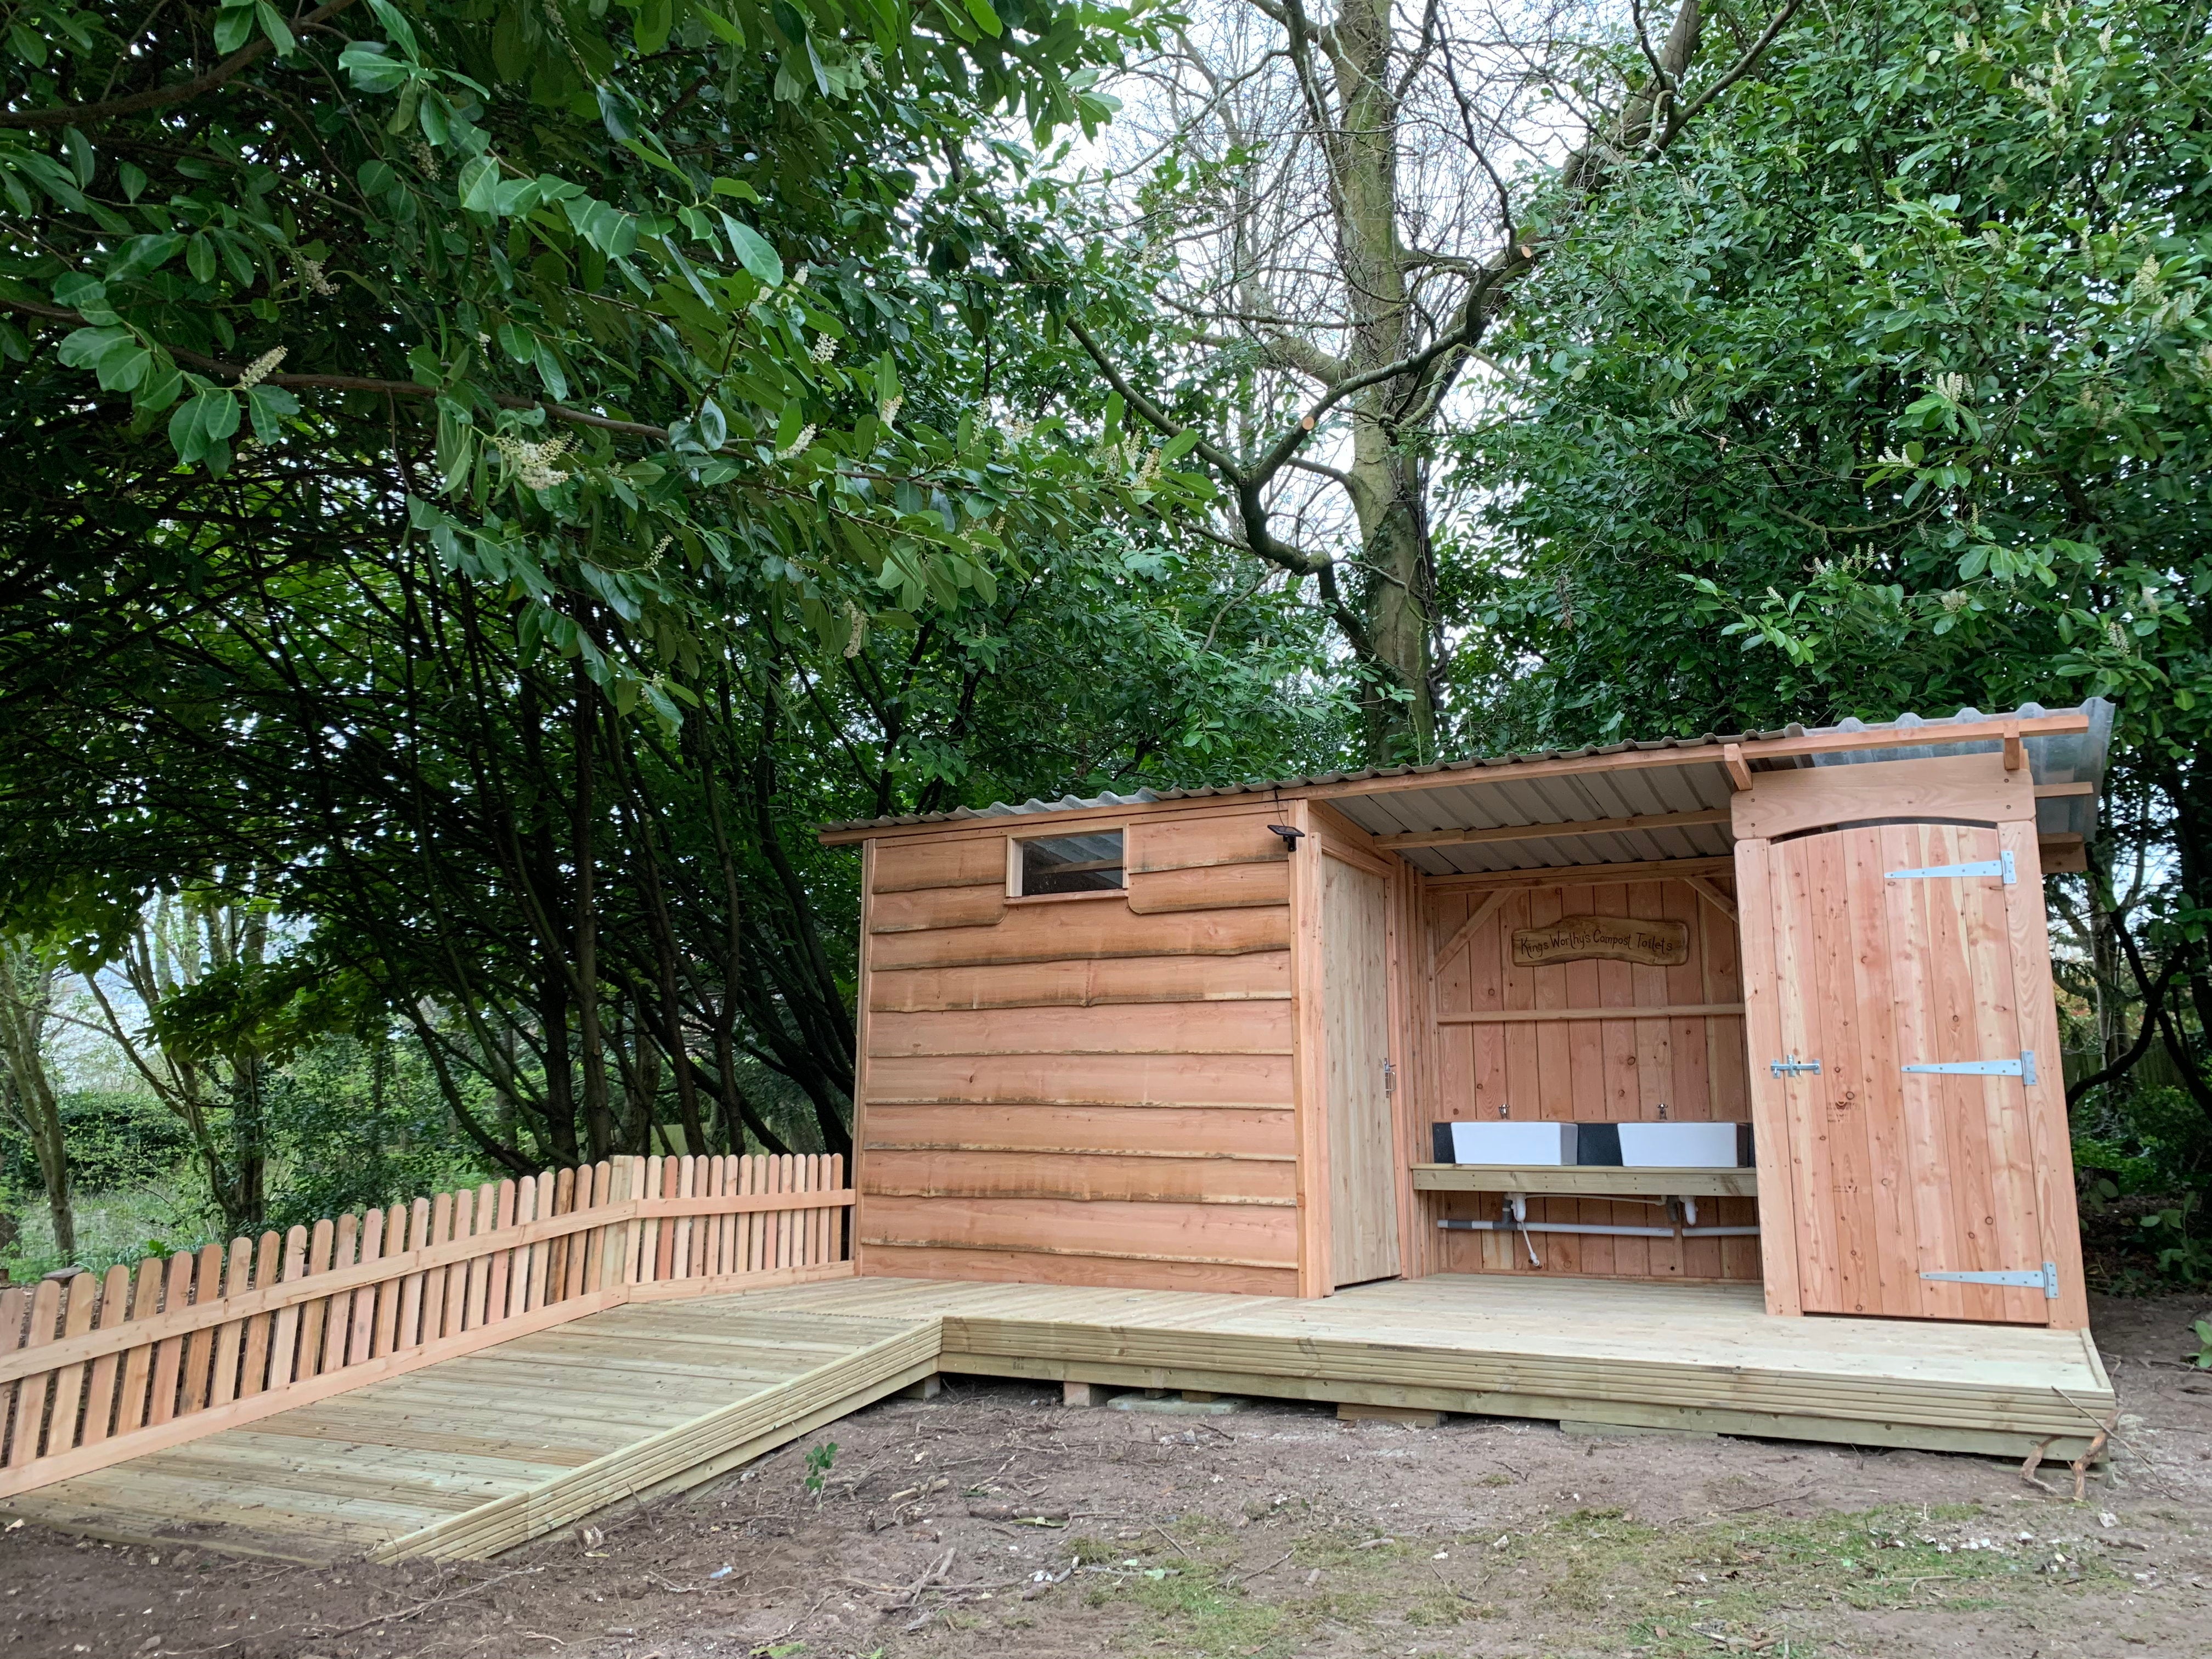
(1171, 1028)
(1085, 931)
(1140, 1130)
(1092, 1093)
(1260, 975)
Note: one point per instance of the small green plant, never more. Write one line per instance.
(2203, 1360)
(2182, 1256)
(818, 1461)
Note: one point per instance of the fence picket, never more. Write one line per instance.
(199, 1347)
(82, 1296)
(517, 1293)
(31, 1397)
(229, 1339)
(285, 1335)
(556, 1277)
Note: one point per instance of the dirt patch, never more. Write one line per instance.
(993, 1521)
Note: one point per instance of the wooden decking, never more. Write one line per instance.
(476, 1454)
(470, 1456)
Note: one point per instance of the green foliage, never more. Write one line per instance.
(2151, 1142)
(115, 1140)
(637, 272)
(820, 1458)
(1888, 389)
(354, 1125)
(491, 476)
(2203, 1359)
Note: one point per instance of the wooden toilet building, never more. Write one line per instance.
(1584, 1078)
(1204, 1040)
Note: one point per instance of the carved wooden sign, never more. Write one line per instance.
(1604, 939)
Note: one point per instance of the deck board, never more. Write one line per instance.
(478, 1453)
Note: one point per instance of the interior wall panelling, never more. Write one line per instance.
(1608, 1068)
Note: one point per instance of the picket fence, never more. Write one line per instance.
(97, 1367)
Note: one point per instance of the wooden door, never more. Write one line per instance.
(1363, 1169)
(1886, 958)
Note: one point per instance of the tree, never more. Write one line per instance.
(625, 455)
(1892, 388)
(1341, 208)
(29, 969)
(216, 1090)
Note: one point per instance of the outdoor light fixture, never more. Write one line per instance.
(1291, 836)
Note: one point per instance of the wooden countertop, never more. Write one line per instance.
(1587, 1180)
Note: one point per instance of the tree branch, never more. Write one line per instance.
(79, 115)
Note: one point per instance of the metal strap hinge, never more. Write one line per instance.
(2000, 866)
(2023, 1068)
(2025, 1278)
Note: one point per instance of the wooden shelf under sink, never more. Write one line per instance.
(1585, 1180)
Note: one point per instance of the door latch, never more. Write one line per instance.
(1389, 1079)
(1791, 1065)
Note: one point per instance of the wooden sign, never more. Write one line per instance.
(1604, 939)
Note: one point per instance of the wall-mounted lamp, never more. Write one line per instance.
(1291, 836)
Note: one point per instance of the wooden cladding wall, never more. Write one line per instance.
(1546, 1042)
(1088, 1091)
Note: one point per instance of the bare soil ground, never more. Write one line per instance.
(993, 1521)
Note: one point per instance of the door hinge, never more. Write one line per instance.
(2023, 1068)
(1791, 1065)
(2000, 866)
(2025, 1278)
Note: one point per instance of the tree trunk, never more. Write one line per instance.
(26, 997)
(599, 1117)
(1393, 592)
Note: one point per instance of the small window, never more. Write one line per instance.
(1070, 864)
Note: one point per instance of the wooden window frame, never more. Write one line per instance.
(1062, 832)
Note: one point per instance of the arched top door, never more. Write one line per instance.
(1892, 1026)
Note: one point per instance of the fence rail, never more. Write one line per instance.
(97, 1367)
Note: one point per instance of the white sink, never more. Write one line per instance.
(1678, 1146)
(1509, 1143)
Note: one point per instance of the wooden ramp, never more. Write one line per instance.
(473, 1454)
(476, 1454)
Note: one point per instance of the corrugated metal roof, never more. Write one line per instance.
(1481, 793)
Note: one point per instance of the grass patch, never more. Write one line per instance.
(1727, 1586)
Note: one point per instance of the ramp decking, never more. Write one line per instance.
(476, 1454)
(471, 1456)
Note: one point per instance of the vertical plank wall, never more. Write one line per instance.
(1357, 1028)
(1612, 1069)
(1088, 1089)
